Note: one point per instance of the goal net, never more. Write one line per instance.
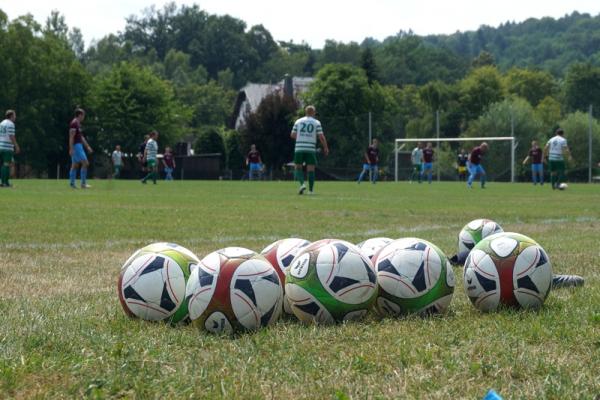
(499, 162)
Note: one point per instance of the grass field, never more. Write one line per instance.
(63, 334)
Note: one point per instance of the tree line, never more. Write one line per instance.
(177, 70)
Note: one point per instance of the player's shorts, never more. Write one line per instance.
(117, 168)
(367, 167)
(417, 167)
(301, 157)
(6, 156)
(475, 169)
(151, 164)
(426, 166)
(255, 166)
(537, 167)
(462, 170)
(78, 154)
(557, 165)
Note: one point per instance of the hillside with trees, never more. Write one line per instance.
(178, 68)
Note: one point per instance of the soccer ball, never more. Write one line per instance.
(152, 281)
(507, 269)
(474, 231)
(281, 254)
(234, 289)
(415, 277)
(330, 280)
(370, 247)
(563, 186)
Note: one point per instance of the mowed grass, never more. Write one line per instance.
(63, 334)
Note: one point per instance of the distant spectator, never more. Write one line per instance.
(168, 163)
(254, 161)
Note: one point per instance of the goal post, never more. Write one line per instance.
(511, 139)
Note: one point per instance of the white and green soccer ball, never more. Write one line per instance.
(151, 284)
(415, 277)
(370, 247)
(474, 231)
(330, 281)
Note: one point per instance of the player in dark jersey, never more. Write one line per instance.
(427, 166)
(254, 162)
(474, 164)
(371, 162)
(169, 165)
(77, 143)
(461, 164)
(140, 155)
(536, 155)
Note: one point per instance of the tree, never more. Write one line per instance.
(576, 127)
(484, 59)
(582, 87)
(269, 129)
(369, 65)
(532, 85)
(129, 102)
(210, 141)
(482, 87)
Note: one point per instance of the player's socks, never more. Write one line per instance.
(361, 176)
(483, 182)
(83, 176)
(5, 174)
(72, 176)
(299, 175)
(429, 177)
(311, 180)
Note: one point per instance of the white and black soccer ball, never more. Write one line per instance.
(151, 284)
(563, 186)
(330, 280)
(234, 289)
(507, 269)
(474, 231)
(370, 247)
(415, 277)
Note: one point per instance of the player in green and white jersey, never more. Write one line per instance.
(305, 132)
(555, 150)
(8, 146)
(150, 153)
(416, 159)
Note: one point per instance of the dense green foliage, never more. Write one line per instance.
(177, 69)
(63, 333)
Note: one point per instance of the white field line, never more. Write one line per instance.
(233, 240)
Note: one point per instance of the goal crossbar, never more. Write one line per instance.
(470, 139)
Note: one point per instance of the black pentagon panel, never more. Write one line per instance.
(130, 293)
(387, 266)
(165, 300)
(487, 284)
(543, 259)
(469, 245)
(310, 308)
(370, 272)
(245, 287)
(155, 265)
(272, 278)
(342, 250)
(526, 283)
(339, 282)
(287, 260)
(264, 320)
(419, 279)
(204, 278)
(417, 246)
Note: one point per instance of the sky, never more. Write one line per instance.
(314, 21)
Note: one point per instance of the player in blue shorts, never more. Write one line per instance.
(254, 162)
(77, 143)
(474, 164)
(371, 162)
(427, 166)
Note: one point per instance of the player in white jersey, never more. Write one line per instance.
(8, 146)
(555, 150)
(150, 157)
(305, 132)
(416, 158)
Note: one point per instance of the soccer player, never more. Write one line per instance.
(8, 146)
(77, 143)
(537, 167)
(254, 162)
(474, 164)
(416, 158)
(150, 152)
(555, 150)
(461, 164)
(141, 152)
(117, 161)
(168, 163)
(371, 162)
(305, 133)
(427, 166)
